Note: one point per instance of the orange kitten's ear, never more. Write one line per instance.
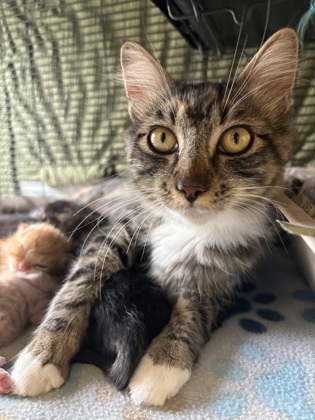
(144, 78)
(269, 77)
(22, 226)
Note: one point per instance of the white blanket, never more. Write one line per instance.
(260, 364)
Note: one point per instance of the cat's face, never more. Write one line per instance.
(38, 247)
(205, 148)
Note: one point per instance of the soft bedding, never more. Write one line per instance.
(260, 364)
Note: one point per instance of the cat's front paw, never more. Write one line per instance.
(31, 378)
(153, 384)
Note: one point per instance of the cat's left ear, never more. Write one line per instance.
(146, 82)
(269, 77)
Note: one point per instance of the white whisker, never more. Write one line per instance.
(227, 97)
(256, 89)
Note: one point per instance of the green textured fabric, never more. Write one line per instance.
(63, 109)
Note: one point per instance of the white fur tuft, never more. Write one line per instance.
(31, 378)
(154, 384)
(179, 239)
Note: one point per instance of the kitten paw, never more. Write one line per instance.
(5, 382)
(31, 378)
(153, 384)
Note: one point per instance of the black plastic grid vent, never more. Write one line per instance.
(218, 26)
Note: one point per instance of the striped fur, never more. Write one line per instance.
(204, 216)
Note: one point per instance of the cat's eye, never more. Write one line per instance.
(235, 140)
(162, 140)
(41, 266)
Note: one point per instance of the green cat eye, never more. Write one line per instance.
(162, 140)
(235, 140)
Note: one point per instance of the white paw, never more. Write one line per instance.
(154, 384)
(31, 378)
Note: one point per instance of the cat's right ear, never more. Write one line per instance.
(146, 82)
(269, 77)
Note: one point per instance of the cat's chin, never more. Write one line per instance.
(193, 215)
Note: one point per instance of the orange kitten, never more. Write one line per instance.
(33, 262)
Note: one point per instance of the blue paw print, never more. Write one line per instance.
(284, 390)
(229, 405)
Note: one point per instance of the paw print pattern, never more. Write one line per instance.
(291, 397)
(281, 385)
(244, 303)
(282, 390)
(308, 297)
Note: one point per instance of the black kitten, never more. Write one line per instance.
(130, 311)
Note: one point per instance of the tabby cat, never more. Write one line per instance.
(206, 162)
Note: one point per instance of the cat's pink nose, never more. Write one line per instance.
(23, 266)
(191, 192)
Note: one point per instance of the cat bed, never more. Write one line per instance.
(259, 364)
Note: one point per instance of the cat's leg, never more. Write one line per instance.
(44, 363)
(168, 362)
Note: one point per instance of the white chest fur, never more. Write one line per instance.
(179, 239)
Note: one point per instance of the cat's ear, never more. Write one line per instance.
(22, 226)
(269, 77)
(145, 79)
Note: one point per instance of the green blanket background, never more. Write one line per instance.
(63, 109)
